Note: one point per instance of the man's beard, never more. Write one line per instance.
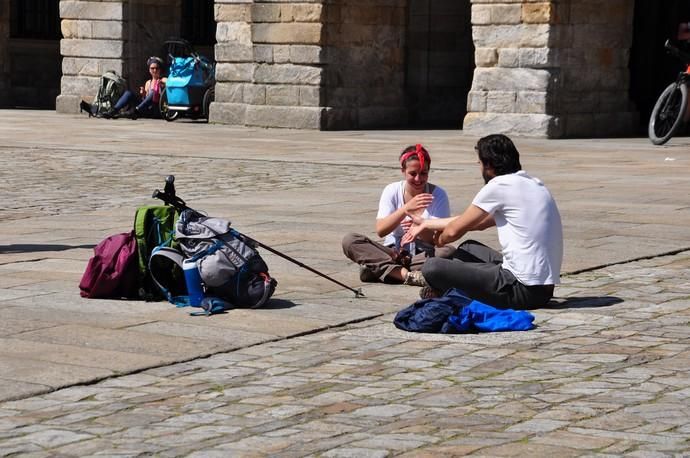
(486, 177)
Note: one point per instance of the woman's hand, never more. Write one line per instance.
(414, 230)
(418, 203)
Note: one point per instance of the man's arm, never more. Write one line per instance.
(472, 219)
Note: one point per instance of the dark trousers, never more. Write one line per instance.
(380, 259)
(477, 270)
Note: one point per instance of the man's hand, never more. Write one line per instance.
(414, 230)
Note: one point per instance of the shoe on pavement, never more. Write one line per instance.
(428, 292)
(415, 278)
(366, 275)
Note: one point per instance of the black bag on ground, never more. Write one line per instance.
(230, 269)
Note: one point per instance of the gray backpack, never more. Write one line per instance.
(229, 268)
(111, 89)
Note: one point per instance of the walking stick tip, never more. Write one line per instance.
(359, 293)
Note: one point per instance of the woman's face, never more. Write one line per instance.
(155, 70)
(415, 177)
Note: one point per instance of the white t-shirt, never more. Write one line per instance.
(392, 198)
(529, 226)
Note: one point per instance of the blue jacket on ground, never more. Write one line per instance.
(456, 313)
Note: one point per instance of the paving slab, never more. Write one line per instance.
(68, 182)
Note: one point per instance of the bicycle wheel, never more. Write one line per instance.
(667, 114)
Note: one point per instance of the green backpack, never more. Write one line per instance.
(111, 89)
(154, 226)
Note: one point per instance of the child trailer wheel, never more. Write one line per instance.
(166, 112)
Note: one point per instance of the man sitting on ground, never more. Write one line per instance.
(529, 230)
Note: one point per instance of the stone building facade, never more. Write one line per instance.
(548, 68)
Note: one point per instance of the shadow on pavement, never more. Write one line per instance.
(584, 302)
(275, 304)
(31, 248)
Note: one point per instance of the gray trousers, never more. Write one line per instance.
(476, 270)
(380, 259)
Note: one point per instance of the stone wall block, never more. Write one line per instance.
(501, 102)
(235, 71)
(84, 86)
(288, 74)
(238, 33)
(538, 57)
(266, 12)
(532, 102)
(288, 117)
(485, 57)
(228, 113)
(67, 104)
(263, 54)
(91, 48)
(232, 12)
(255, 94)
(305, 54)
(506, 14)
(529, 125)
(72, 28)
(509, 57)
(511, 79)
(310, 96)
(90, 66)
(229, 92)
(512, 36)
(538, 13)
(476, 101)
(105, 11)
(298, 33)
(481, 14)
(233, 52)
(305, 12)
(281, 54)
(282, 95)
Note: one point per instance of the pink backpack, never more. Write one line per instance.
(113, 270)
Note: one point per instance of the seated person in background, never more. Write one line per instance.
(393, 262)
(529, 230)
(145, 103)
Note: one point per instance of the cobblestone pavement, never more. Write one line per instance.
(605, 373)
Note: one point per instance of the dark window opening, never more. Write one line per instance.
(198, 23)
(35, 19)
(651, 67)
(440, 62)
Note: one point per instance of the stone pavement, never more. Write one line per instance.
(606, 373)
(613, 350)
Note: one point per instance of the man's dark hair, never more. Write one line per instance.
(498, 152)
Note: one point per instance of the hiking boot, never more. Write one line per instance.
(366, 275)
(415, 278)
(428, 292)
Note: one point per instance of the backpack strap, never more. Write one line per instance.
(176, 257)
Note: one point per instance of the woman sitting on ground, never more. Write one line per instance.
(145, 104)
(390, 262)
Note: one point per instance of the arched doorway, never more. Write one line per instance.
(440, 62)
(651, 68)
(33, 54)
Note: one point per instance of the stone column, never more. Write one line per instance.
(551, 68)
(516, 69)
(269, 68)
(93, 42)
(4, 53)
